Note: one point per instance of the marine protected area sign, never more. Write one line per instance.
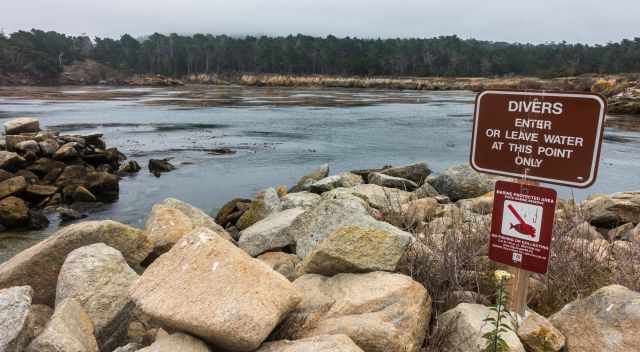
(544, 136)
(522, 225)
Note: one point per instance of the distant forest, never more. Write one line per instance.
(43, 54)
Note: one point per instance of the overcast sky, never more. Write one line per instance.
(587, 21)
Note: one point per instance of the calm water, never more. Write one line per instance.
(279, 135)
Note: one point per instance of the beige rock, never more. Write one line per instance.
(613, 210)
(208, 287)
(467, 325)
(15, 304)
(345, 179)
(426, 190)
(177, 342)
(423, 209)
(22, 125)
(98, 277)
(269, 233)
(37, 320)
(13, 212)
(39, 265)
(538, 335)
(266, 203)
(300, 200)
(315, 175)
(284, 263)
(281, 190)
(29, 146)
(479, 205)
(624, 232)
(322, 343)
(608, 320)
(586, 231)
(358, 249)
(378, 197)
(69, 330)
(66, 151)
(379, 311)
(12, 185)
(10, 161)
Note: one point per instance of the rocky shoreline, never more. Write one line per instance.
(44, 172)
(391, 259)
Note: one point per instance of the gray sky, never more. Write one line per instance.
(587, 21)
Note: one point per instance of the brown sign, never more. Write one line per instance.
(521, 226)
(544, 136)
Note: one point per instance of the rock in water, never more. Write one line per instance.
(66, 151)
(171, 219)
(177, 342)
(22, 125)
(305, 181)
(158, 166)
(345, 179)
(392, 182)
(379, 311)
(322, 343)
(415, 172)
(15, 304)
(538, 335)
(269, 233)
(98, 277)
(467, 325)
(13, 212)
(266, 203)
(208, 287)
(358, 249)
(462, 182)
(69, 330)
(608, 320)
(39, 265)
(131, 167)
(284, 263)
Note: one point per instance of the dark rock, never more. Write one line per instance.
(72, 175)
(5, 175)
(43, 166)
(13, 140)
(13, 212)
(49, 146)
(364, 173)
(158, 166)
(29, 176)
(10, 161)
(37, 220)
(415, 172)
(221, 151)
(51, 177)
(81, 194)
(105, 168)
(95, 140)
(68, 214)
(229, 210)
(67, 151)
(130, 167)
(28, 146)
(41, 190)
(103, 185)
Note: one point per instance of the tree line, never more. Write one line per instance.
(43, 54)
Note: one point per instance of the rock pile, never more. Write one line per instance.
(44, 169)
(292, 271)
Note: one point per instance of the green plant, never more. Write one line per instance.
(495, 342)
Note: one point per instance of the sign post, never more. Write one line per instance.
(534, 137)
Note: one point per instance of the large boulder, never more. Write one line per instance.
(299, 200)
(165, 226)
(266, 203)
(99, 278)
(538, 335)
(40, 265)
(67, 151)
(210, 288)
(612, 211)
(466, 326)
(322, 343)
(383, 180)
(316, 224)
(479, 205)
(377, 246)
(345, 179)
(69, 330)
(269, 233)
(22, 125)
(284, 263)
(12, 185)
(462, 182)
(423, 209)
(426, 190)
(177, 342)
(49, 146)
(10, 161)
(29, 146)
(379, 311)
(417, 172)
(316, 175)
(608, 320)
(13, 212)
(378, 197)
(584, 230)
(15, 305)
(198, 217)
